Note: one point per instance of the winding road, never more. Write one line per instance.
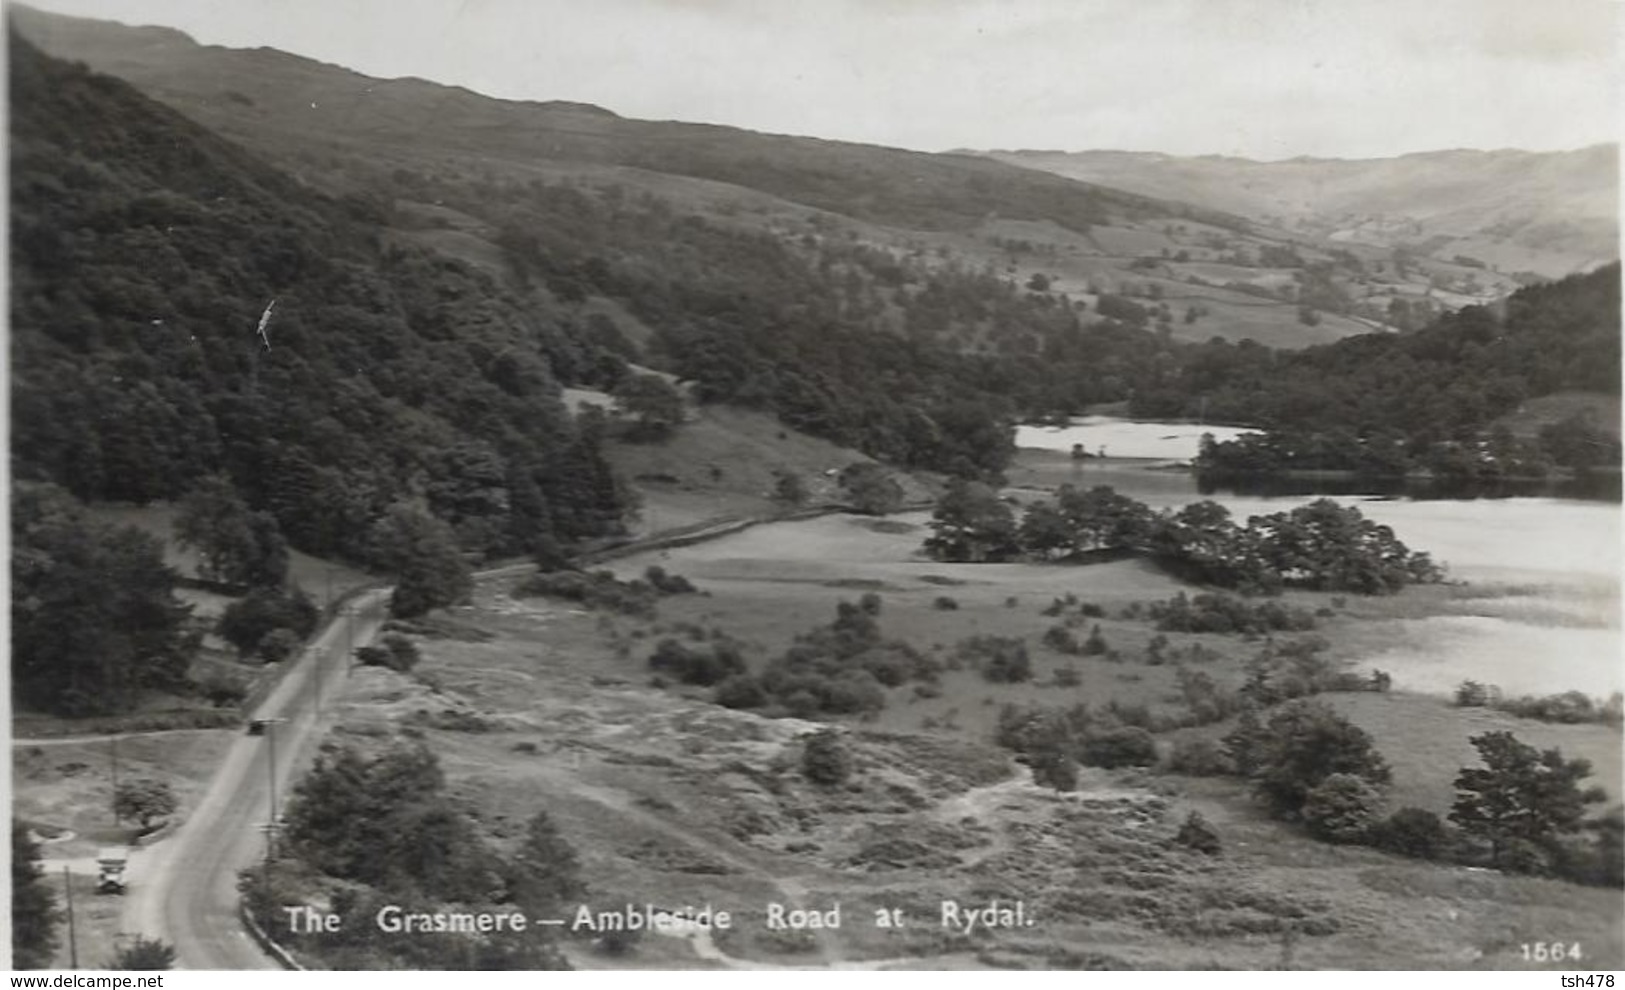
(184, 890)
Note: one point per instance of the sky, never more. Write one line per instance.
(1263, 79)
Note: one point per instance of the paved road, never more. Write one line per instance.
(185, 889)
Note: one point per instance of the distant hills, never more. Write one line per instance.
(1549, 213)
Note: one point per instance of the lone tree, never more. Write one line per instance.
(545, 873)
(1522, 802)
(971, 524)
(824, 759)
(872, 489)
(144, 800)
(33, 903)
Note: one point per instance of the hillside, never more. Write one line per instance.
(1547, 213)
(404, 141)
(145, 250)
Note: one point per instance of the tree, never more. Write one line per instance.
(1102, 518)
(824, 759)
(233, 543)
(872, 489)
(94, 617)
(1522, 802)
(545, 874)
(144, 800)
(655, 402)
(1123, 746)
(422, 553)
(971, 523)
(1342, 808)
(144, 954)
(247, 621)
(1304, 743)
(33, 903)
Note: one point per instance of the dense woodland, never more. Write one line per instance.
(144, 252)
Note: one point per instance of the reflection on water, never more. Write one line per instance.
(1599, 487)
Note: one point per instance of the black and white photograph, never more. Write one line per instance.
(866, 485)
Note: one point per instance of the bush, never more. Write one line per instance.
(596, 590)
(1062, 640)
(1414, 832)
(740, 691)
(944, 603)
(1199, 758)
(1343, 808)
(1125, 746)
(1095, 645)
(1001, 659)
(277, 645)
(1196, 834)
(703, 665)
(1221, 613)
(1067, 677)
(824, 759)
(668, 584)
(144, 954)
(393, 651)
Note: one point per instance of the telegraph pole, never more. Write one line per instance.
(117, 818)
(270, 739)
(73, 940)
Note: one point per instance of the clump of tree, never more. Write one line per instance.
(1107, 738)
(870, 489)
(1322, 545)
(234, 544)
(703, 663)
(1568, 708)
(654, 404)
(1222, 613)
(1301, 745)
(249, 621)
(94, 618)
(602, 590)
(841, 668)
(388, 826)
(1000, 659)
(1196, 834)
(421, 552)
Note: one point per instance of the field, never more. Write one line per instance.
(533, 703)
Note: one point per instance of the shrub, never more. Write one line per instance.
(595, 591)
(1343, 808)
(1067, 677)
(825, 760)
(1062, 640)
(1199, 758)
(1196, 834)
(1222, 613)
(703, 665)
(1414, 832)
(277, 645)
(740, 691)
(1095, 645)
(1125, 746)
(144, 954)
(1002, 659)
(944, 603)
(1053, 767)
(667, 584)
(393, 651)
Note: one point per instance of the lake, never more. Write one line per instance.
(1125, 438)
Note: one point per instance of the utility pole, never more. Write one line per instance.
(270, 739)
(117, 818)
(73, 940)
